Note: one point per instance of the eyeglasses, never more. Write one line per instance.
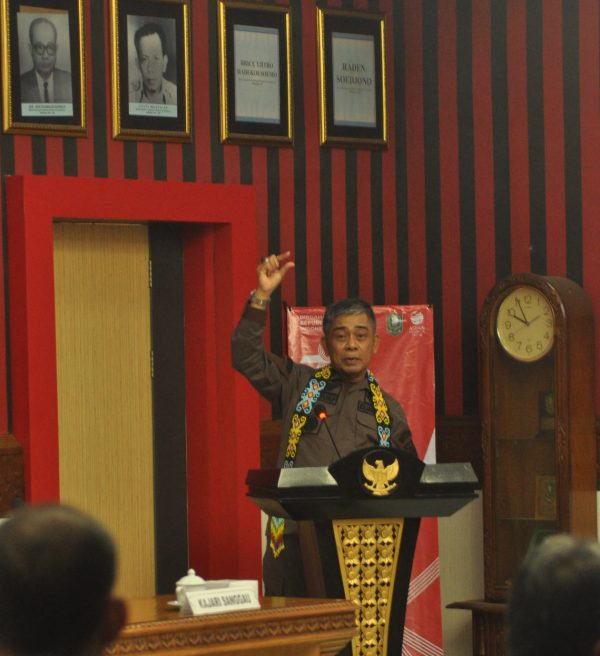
(39, 48)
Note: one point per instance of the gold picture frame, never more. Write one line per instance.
(255, 73)
(43, 67)
(352, 89)
(150, 68)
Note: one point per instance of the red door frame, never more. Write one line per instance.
(221, 408)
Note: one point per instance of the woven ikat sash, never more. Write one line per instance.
(310, 395)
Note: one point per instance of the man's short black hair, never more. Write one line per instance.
(57, 569)
(147, 29)
(347, 306)
(554, 606)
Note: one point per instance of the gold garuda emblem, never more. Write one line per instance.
(380, 477)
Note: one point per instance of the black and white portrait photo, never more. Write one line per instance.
(46, 86)
(152, 66)
(151, 69)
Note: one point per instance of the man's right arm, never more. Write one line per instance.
(264, 370)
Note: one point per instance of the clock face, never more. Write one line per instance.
(525, 324)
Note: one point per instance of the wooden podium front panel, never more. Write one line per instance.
(281, 627)
(368, 553)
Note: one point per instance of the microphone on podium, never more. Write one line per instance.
(321, 414)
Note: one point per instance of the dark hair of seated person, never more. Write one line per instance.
(554, 605)
(57, 570)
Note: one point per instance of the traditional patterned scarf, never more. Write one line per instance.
(309, 396)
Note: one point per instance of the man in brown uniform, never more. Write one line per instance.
(359, 414)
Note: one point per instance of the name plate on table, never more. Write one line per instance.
(223, 597)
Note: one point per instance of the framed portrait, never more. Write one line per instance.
(352, 100)
(43, 71)
(255, 70)
(151, 94)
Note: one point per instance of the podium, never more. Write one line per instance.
(363, 513)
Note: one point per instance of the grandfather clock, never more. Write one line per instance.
(538, 430)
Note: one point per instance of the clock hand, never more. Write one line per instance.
(514, 316)
(522, 311)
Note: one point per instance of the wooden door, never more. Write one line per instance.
(103, 347)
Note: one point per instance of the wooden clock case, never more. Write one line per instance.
(538, 432)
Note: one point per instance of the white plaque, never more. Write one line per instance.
(256, 66)
(354, 80)
(47, 109)
(223, 597)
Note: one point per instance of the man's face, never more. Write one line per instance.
(43, 49)
(350, 343)
(152, 62)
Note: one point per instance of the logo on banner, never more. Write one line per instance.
(417, 320)
(394, 323)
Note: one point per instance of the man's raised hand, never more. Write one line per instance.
(270, 272)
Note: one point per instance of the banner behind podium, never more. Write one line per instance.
(405, 369)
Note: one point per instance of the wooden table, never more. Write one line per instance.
(282, 627)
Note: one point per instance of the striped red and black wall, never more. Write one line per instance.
(492, 165)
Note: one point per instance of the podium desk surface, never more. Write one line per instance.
(282, 626)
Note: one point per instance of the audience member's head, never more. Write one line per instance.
(554, 606)
(57, 569)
